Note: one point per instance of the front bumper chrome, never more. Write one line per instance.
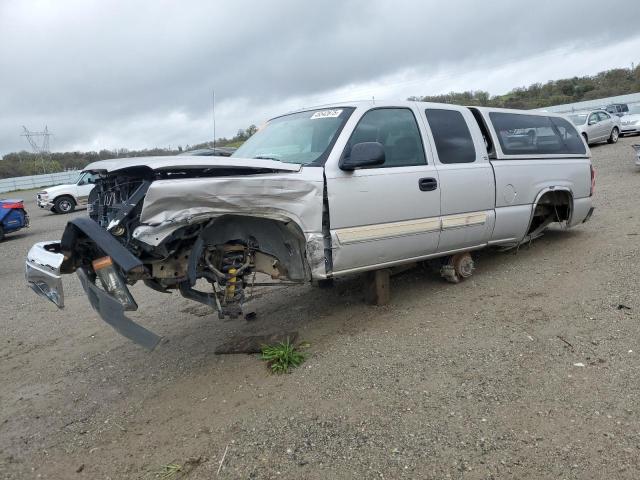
(45, 204)
(42, 271)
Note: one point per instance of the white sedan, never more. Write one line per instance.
(630, 122)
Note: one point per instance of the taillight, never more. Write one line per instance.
(593, 180)
(10, 206)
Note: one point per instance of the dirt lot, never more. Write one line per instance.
(477, 380)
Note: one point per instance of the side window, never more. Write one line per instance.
(522, 134)
(452, 136)
(87, 178)
(593, 118)
(570, 136)
(604, 116)
(397, 130)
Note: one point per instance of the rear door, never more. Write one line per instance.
(606, 124)
(388, 213)
(467, 187)
(594, 130)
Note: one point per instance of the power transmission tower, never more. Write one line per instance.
(39, 148)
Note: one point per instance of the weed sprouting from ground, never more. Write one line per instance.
(170, 471)
(282, 357)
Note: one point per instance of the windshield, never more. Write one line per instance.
(304, 137)
(634, 110)
(578, 119)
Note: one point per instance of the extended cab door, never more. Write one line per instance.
(387, 213)
(467, 185)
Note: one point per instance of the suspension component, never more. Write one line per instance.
(229, 263)
(458, 267)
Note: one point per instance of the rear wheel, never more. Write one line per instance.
(1, 233)
(64, 205)
(615, 133)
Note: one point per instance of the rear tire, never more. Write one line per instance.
(1, 233)
(613, 138)
(64, 204)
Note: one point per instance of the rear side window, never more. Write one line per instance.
(451, 134)
(396, 129)
(520, 134)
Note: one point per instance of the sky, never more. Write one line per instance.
(140, 74)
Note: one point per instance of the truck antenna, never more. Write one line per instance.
(213, 113)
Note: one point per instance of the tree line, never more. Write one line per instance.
(618, 81)
(23, 163)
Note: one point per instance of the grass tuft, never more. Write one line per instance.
(283, 356)
(170, 470)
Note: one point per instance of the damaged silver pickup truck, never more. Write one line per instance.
(318, 194)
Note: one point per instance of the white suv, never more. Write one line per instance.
(66, 198)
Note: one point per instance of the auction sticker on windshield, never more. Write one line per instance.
(326, 114)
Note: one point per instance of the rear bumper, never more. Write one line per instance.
(582, 211)
(588, 217)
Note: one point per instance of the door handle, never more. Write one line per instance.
(427, 184)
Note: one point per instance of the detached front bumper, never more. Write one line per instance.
(42, 271)
(46, 264)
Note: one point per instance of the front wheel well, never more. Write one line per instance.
(283, 240)
(65, 195)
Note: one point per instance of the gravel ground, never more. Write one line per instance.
(530, 369)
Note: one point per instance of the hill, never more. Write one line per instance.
(619, 81)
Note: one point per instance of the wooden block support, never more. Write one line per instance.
(377, 289)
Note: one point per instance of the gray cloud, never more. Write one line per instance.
(119, 73)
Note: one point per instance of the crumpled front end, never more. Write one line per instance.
(170, 231)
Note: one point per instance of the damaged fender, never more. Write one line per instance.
(171, 204)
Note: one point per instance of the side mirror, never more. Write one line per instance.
(592, 122)
(365, 154)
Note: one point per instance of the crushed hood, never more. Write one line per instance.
(185, 161)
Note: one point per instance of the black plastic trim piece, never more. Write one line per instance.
(112, 312)
(86, 227)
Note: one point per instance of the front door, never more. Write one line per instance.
(387, 213)
(84, 187)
